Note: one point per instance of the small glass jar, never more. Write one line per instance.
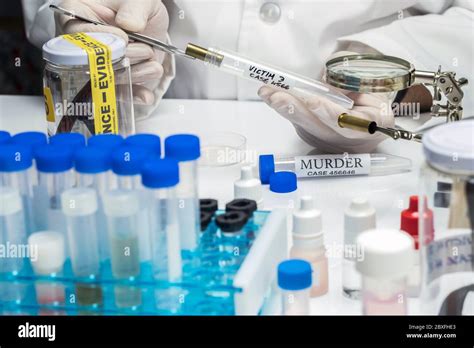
(445, 239)
(67, 88)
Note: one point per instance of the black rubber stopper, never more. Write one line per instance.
(232, 221)
(246, 205)
(208, 205)
(206, 219)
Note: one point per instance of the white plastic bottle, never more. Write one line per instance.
(308, 244)
(294, 280)
(387, 262)
(358, 217)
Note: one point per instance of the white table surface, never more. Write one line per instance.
(266, 132)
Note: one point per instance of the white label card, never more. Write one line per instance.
(332, 165)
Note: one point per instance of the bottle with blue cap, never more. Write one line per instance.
(160, 178)
(282, 192)
(122, 211)
(127, 163)
(31, 139)
(16, 171)
(294, 280)
(93, 167)
(55, 175)
(185, 148)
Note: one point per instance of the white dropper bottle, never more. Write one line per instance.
(248, 186)
(358, 217)
(308, 244)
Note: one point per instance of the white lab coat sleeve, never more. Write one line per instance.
(39, 21)
(427, 41)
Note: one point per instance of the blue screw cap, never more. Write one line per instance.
(294, 275)
(15, 157)
(54, 158)
(283, 182)
(92, 160)
(31, 139)
(128, 160)
(105, 141)
(160, 173)
(266, 167)
(74, 140)
(182, 147)
(4, 137)
(151, 142)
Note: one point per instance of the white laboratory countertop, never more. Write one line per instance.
(266, 132)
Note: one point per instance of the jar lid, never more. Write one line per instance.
(62, 52)
(448, 148)
(387, 253)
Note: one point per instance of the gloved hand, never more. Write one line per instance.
(147, 17)
(315, 119)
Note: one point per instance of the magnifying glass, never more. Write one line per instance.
(370, 73)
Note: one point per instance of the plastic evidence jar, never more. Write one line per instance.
(445, 243)
(67, 87)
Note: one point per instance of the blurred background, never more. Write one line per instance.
(21, 62)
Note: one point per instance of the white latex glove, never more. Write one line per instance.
(148, 17)
(315, 118)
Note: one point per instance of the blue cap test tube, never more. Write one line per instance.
(16, 171)
(149, 142)
(105, 141)
(72, 140)
(127, 163)
(55, 175)
(185, 148)
(93, 168)
(160, 178)
(122, 211)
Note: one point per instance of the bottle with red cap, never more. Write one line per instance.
(409, 223)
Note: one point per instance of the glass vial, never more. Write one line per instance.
(294, 280)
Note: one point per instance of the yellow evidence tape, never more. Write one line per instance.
(102, 82)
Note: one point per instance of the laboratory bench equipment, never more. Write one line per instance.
(388, 194)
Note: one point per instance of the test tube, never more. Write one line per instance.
(12, 229)
(387, 262)
(294, 280)
(127, 163)
(16, 169)
(55, 175)
(122, 212)
(33, 140)
(333, 165)
(232, 233)
(80, 207)
(185, 149)
(283, 192)
(12, 236)
(160, 177)
(93, 167)
(48, 260)
(263, 73)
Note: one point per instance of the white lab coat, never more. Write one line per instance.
(425, 32)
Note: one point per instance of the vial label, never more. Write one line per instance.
(267, 76)
(332, 165)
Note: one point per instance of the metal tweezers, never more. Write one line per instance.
(134, 36)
